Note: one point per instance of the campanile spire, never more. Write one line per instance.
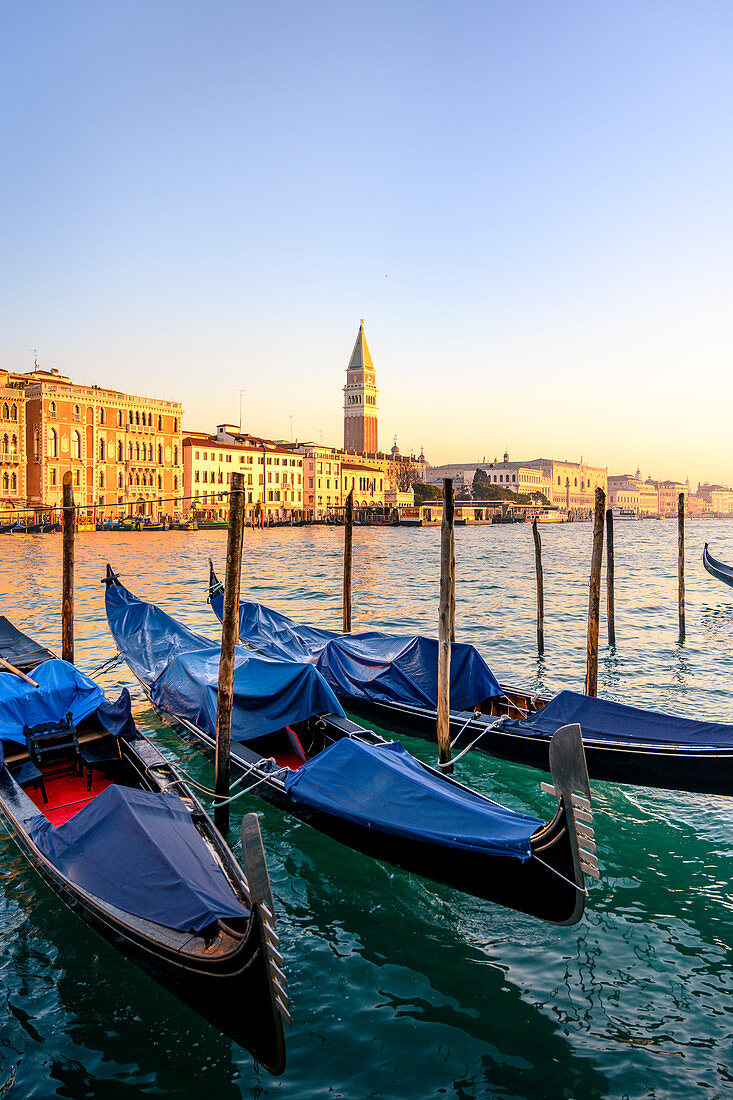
(360, 399)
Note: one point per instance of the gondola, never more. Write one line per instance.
(115, 831)
(295, 748)
(34, 528)
(716, 568)
(393, 680)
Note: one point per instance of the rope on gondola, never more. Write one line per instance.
(468, 748)
(107, 666)
(580, 889)
(188, 778)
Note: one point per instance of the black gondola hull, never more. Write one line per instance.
(679, 769)
(543, 886)
(227, 984)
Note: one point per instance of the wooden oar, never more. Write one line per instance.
(12, 668)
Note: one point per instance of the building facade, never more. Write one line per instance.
(13, 443)
(719, 499)
(124, 452)
(273, 475)
(360, 399)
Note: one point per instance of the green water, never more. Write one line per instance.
(399, 987)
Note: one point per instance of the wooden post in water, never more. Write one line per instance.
(681, 562)
(444, 623)
(610, 567)
(348, 540)
(594, 599)
(67, 583)
(540, 589)
(452, 579)
(229, 635)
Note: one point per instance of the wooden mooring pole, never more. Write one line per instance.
(67, 583)
(540, 589)
(229, 635)
(594, 599)
(348, 542)
(610, 568)
(444, 623)
(681, 563)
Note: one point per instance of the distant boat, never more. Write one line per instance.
(716, 569)
(624, 513)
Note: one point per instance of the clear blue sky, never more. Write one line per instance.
(528, 202)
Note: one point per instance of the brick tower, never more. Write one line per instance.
(360, 399)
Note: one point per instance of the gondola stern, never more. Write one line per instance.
(263, 911)
(215, 585)
(571, 786)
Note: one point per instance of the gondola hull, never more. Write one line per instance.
(716, 568)
(423, 820)
(669, 768)
(547, 886)
(225, 975)
(226, 988)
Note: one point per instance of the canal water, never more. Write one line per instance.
(400, 987)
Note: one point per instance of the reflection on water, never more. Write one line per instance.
(400, 987)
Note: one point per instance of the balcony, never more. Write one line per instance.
(10, 458)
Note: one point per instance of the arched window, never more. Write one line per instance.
(14, 412)
(6, 482)
(53, 443)
(175, 456)
(6, 411)
(137, 416)
(77, 412)
(137, 451)
(131, 417)
(175, 424)
(14, 483)
(120, 451)
(137, 479)
(160, 454)
(558, 481)
(101, 479)
(576, 482)
(101, 450)
(175, 482)
(160, 481)
(130, 450)
(14, 444)
(75, 445)
(119, 480)
(119, 418)
(101, 416)
(160, 423)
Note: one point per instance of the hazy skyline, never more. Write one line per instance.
(529, 204)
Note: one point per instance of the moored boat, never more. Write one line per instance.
(716, 568)
(112, 827)
(295, 748)
(622, 743)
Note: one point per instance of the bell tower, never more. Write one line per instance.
(360, 399)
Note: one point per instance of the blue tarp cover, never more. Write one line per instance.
(604, 720)
(140, 851)
(383, 787)
(383, 668)
(181, 670)
(61, 689)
